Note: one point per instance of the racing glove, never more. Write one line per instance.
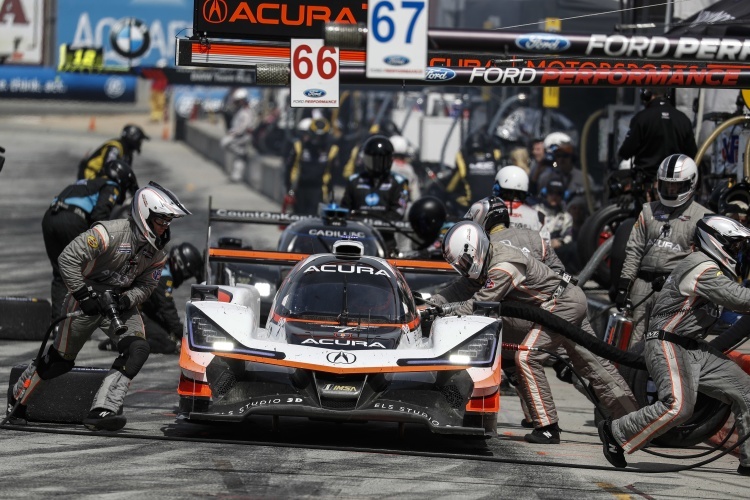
(658, 283)
(623, 291)
(87, 300)
(124, 303)
(563, 370)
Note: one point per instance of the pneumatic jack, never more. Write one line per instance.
(38, 359)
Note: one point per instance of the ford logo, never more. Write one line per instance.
(444, 74)
(314, 93)
(396, 60)
(542, 42)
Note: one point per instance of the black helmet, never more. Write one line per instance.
(426, 217)
(478, 142)
(132, 136)
(120, 172)
(489, 212)
(185, 261)
(377, 156)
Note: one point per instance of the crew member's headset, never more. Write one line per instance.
(647, 94)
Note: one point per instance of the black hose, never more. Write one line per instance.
(733, 335)
(535, 314)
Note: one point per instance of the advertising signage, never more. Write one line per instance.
(274, 20)
(130, 32)
(21, 31)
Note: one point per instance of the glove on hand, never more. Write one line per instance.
(623, 290)
(658, 283)
(563, 371)
(87, 300)
(124, 303)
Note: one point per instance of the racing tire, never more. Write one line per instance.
(708, 417)
(603, 222)
(24, 318)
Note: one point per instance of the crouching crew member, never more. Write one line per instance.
(124, 257)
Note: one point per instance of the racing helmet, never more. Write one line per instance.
(726, 241)
(400, 145)
(677, 178)
(132, 136)
(154, 201)
(240, 95)
(120, 172)
(555, 139)
(426, 217)
(511, 183)
(304, 125)
(377, 156)
(733, 198)
(466, 248)
(489, 212)
(185, 262)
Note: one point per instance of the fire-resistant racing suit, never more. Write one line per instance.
(524, 216)
(661, 237)
(512, 275)
(309, 167)
(680, 363)
(109, 256)
(71, 213)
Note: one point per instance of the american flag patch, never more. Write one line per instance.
(489, 283)
(156, 275)
(124, 248)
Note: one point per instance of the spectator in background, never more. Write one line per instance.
(239, 137)
(158, 97)
(564, 168)
(657, 131)
(557, 221)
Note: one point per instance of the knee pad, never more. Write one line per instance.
(53, 365)
(134, 352)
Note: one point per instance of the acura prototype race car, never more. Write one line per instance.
(343, 342)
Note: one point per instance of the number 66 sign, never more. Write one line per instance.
(396, 39)
(315, 74)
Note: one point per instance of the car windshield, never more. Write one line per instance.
(330, 290)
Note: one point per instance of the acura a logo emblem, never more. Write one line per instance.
(341, 358)
(215, 11)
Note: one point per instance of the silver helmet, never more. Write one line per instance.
(726, 241)
(677, 179)
(155, 202)
(489, 212)
(466, 248)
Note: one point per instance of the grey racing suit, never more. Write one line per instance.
(683, 365)
(109, 256)
(661, 237)
(512, 275)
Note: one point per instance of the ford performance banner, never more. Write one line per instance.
(21, 82)
(131, 32)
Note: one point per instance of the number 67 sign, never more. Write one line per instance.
(396, 39)
(315, 74)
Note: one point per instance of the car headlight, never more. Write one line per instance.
(204, 333)
(479, 350)
(264, 288)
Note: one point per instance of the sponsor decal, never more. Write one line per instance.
(314, 93)
(345, 268)
(344, 343)
(405, 409)
(340, 388)
(92, 241)
(156, 274)
(215, 11)
(706, 48)
(266, 401)
(440, 74)
(337, 233)
(125, 248)
(341, 358)
(459, 62)
(372, 199)
(396, 60)
(489, 283)
(542, 42)
(130, 38)
(114, 87)
(666, 245)
(503, 76)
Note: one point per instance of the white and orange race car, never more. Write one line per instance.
(344, 342)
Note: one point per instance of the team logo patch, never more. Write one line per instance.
(124, 248)
(92, 241)
(489, 283)
(156, 275)
(719, 273)
(684, 217)
(372, 199)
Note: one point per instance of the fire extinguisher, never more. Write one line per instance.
(619, 329)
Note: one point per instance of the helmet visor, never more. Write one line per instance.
(377, 164)
(463, 264)
(671, 190)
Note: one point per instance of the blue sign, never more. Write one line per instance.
(24, 82)
(144, 31)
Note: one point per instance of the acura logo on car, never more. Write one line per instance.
(341, 358)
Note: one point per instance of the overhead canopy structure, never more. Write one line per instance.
(725, 18)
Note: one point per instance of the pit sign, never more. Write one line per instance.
(396, 39)
(314, 74)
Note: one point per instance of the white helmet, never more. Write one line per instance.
(400, 145)
(626, 164)
(511, 183)
(556, 139)
(304, 125)
(726, 241)
(155, 201)
(677, 178)
(240, 95)
(466, 248)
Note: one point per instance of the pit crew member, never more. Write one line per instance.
(122, 148)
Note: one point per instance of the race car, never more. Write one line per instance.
(343, 342)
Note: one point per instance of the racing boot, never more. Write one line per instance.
(549, 434)
(743, 470)
(527, 424)
(613, 452)
(101, 419)
(19, 415)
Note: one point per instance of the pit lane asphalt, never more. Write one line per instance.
(42, 156)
